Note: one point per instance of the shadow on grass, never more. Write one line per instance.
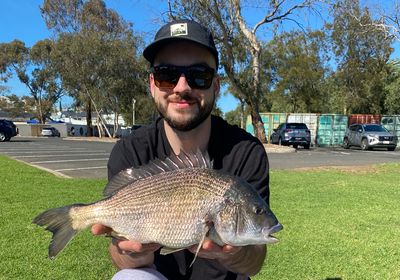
(333, 278)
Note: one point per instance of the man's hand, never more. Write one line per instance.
(245, 260)
(211, 250)
(126, 253)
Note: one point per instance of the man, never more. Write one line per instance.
(184, 85)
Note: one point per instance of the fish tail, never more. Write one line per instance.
(60, 223)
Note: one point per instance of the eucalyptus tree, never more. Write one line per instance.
(392, 89)
(299, 66)
(15, 106)
(362, 54)
(240, 44)
(34, 68)
(97, 55)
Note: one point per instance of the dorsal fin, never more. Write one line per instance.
(157, 166)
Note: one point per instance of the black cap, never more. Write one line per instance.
(177, 30)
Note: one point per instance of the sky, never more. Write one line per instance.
(21, 19)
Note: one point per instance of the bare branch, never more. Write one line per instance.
(272, 16)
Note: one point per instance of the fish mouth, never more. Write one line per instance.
(269, 231)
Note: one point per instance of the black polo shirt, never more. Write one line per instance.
(230, 148)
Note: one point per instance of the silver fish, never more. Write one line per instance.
(176, 202)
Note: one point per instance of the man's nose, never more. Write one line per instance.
(182, 86)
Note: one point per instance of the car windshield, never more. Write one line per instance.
(375, 128)
(296, 126)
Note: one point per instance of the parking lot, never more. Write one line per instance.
(88, 159)
(67, 158)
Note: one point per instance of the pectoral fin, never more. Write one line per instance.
(205, 232)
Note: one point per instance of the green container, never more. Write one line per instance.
(331, 129)
(392, 123)
(270, 120)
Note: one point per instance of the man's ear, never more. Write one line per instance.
(217, 86)
(152, 85)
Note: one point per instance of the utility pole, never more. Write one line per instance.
(133, 111)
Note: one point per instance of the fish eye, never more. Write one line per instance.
(258, 210)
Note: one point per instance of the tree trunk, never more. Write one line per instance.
(254, 48)
(242, 120)
(89, 127)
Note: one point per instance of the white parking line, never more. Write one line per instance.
(43, 156)
(58, 151)
(81, 168)
(342, 153)
(41, 149)
(68, 160)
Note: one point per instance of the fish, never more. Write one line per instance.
(176, 202)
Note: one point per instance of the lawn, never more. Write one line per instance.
(337, 225)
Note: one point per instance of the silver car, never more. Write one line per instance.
(368, 136)
(50, 131)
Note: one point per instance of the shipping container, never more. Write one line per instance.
(331, 129)
(270, 120)
(310, 119)
(392, 123)
(364, 118)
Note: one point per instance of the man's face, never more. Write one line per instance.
(184, 107)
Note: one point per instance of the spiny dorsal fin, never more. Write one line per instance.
(157, 166)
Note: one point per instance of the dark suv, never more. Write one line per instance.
(7, 130)
(368, 136)
(296, 134)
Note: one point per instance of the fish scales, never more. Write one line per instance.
(174, 203)
(184, 201)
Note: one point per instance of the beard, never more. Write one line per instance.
(190, 123)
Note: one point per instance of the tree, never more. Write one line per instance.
(392, 89)
(240, 48)
(387, 18)
(33, 67)
(299, 71)
(15, 106)
(234, 117)
(97, 56)
(362, 53)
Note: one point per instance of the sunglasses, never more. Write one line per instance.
(198, 76)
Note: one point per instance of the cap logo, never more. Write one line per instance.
(179, 29)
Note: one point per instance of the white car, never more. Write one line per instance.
(368, 136)
(50, 131)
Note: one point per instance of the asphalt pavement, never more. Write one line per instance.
(88, 159)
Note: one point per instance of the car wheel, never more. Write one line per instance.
(307, 146)
(295, 146)
(2, 137)
(391, 148)
(364, 144)
(346, 143)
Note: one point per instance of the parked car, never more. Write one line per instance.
(368, 136)
(296, 134)
(7, 130)
(50, 131)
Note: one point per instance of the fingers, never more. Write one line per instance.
(212, 250)
(99, 229)
(128, 247)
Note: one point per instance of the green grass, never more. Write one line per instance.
(336, 225)
(25, 192)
